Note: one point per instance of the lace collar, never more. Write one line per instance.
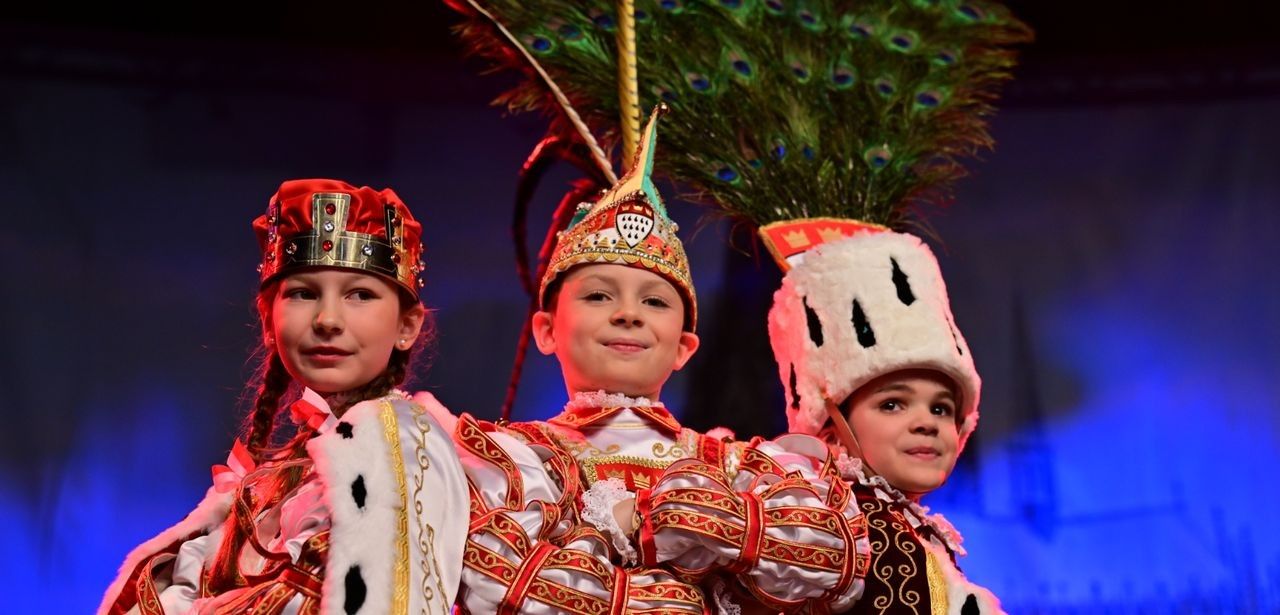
(851, 469)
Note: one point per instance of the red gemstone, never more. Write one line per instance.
(327, 245)
(330, 208)
(395, 258)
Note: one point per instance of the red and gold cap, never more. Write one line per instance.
(627, 226)
(789, 240)
(330, 223)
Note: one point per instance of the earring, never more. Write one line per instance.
(271, 341)
(403, 343)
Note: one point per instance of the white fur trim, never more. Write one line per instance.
(959, 588)
(368, 536)
(720, 433)
(919, 335)
(207, 516)
(597, 509)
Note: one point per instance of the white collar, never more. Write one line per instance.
(601, 399)
(852, 469)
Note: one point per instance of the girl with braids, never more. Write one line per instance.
(343, 496)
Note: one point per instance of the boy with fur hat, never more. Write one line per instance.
(872, 362)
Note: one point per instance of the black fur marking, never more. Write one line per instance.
(344, 429)
(795, 395)
(955, 336)
(815, 325)
(358, 491)
(900, 282)
(356, 591)
(866, 336)
(970, 606)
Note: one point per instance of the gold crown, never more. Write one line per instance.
(796, 239)
(327, 223)
(828, 233)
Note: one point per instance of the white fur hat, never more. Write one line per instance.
(856, 308)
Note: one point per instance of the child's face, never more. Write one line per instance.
(335, 329)
(615, 328)
(905, 423)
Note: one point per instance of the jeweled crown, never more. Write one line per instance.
(627, 226)
(330, 223)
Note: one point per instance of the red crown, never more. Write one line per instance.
(330, 223)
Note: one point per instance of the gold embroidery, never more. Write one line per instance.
(882, 532)
(907, 544)
(589, 464)
(400, 568)
(938, 600)
(426, 533)
(676, 451)
(636, 426)
(579, 448)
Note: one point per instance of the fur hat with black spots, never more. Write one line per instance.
(867, 304)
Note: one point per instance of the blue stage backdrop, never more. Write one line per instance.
(1114, 269)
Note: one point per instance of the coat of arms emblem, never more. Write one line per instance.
(634, 222)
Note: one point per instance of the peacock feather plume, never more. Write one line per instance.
(782, 109)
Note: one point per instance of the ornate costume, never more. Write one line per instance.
(760, 510)
(860, 301)
(822, 124)
(372, 517)
(376, 526)
(543, 537)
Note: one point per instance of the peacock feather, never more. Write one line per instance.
(781, 108)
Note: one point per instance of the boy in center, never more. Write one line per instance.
(576, 513)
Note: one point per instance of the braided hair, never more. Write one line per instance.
(262, 428)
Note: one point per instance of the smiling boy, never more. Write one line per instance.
(905, 422)
(615, 328)
(873, 362)
(552, 528)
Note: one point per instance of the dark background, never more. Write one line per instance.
(1112, 264)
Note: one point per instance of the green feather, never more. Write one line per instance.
(781, 108)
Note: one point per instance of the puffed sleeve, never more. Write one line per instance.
(526, 550)
(164, 572)
(784, 523)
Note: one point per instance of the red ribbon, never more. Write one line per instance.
(306, 413)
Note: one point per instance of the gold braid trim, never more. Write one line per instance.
(426, 533)
(938, 600)
(400, 568)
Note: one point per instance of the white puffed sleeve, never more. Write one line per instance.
(527, 551)
(785, 524)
